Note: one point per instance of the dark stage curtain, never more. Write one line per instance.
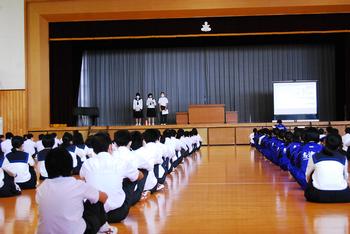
(239, 76)
(65, 69)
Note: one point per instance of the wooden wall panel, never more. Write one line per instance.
(222, 136)
(13, 110)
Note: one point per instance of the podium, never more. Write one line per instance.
(206, 114)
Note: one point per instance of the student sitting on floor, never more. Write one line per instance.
(310, 148)
(107, 173)
(8, 187)
(132, 189)
(67, 143)
(22, 164)
(68, 205)
(6, 145)
(39, 144)
(327, 174)
(280, 126)
(48, 142)
(29, 145)
(82, 150)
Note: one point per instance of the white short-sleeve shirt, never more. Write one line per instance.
(106, 174)
(163, 101)
(6, 146)
(61, 205)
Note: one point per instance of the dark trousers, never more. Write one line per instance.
(30, 184)
(9, 188)
(140, 185)
(312, 194)
(94, 216)
(161, 179)
(163, 119)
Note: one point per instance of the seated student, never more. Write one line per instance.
(6, 145)
(82, 150)
(57, 141)
(21, 164)
(8, 187)
(141, 162)
(197, 138)
(68, 205)
(251, 137)
(39, 144)
(133, 189)
(155, 156)
(346, 141)
(29, 145)
(181, 136)
(327, 174)
(67, 143)
(309, 148)
(48, 142)
(322, 135)
(107, 173)
(280, 126)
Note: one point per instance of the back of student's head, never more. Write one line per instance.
(100, 142)
(17, 142)
(8, 135)
(180, 133)
(48, 141)
(288, 136)
(279, 121)
(67, 139)
(58, 162)
(150, 135)
(194, 131)
(321, 131)
(29, 136)
(2, 136)
(347, 130)
(41, 136)
(329, 129)
(333, 141)
(312, 134)
(78, 138)
(255, 130)
(122, 137)
(167, 133)
(136, 140)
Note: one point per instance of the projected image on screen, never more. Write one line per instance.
(295, 100)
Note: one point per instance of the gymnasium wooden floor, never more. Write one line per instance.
(222, 190)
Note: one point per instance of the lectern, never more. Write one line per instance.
(206, 114)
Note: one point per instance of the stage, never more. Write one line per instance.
(212, 134)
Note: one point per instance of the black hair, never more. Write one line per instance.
(136, 139)
(17, 142)
(67, 139)
(162, 93)
(255, 130)
(48, 141)
(332, 143)
(329, 129)
(54, 135)
(321, 131)
(279, 121)
(29, 136)
(347, 130)
(150, 94)
(138, 94)
(194, 131)
(312, 134)
(289, 136)
(99, 142)
(8, 135)
(58, 162)
(40, 136)
(180, 133)
(2, 136)
(122, 137)
(78, 138)
(167, 133)
(150, 135)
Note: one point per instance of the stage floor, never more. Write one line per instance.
(225, 189)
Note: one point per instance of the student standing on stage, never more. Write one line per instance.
(163, 108)
(138, 107)
(151, 109)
